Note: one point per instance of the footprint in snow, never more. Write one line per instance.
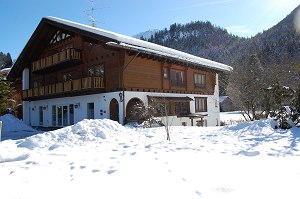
(95, 170)
(111, 171)
(31, 162)
(248, 153)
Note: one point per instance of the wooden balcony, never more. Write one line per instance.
(78, 85)
(67, 57)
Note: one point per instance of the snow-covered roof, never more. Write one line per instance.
(144, 46)
(5, 70)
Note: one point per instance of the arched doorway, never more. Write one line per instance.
(134, 110)
(114, 110)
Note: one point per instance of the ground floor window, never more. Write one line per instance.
(170, 107)
(90, 111)
(41, 116)
(53, 115)
(201, 104)
(59, 116)
(71, 114)
(63, 115)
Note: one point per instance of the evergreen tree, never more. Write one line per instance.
(6, 92)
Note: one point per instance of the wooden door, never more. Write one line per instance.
(114, 110)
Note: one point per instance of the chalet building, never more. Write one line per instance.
(70, 72)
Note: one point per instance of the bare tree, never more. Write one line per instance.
(148, 114)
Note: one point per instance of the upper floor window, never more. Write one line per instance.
(177, 78)
(165, 72)
(97, 71)
(91, 72)
(199, 81)
(59, 36)
(201, 104)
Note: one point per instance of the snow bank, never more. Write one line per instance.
(12, 124)
(78, 134)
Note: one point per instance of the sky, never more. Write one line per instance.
(19, 18)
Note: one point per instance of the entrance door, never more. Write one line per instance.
(114, 110)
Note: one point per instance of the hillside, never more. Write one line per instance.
(279, 45)
(198, 38)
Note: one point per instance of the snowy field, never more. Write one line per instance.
(102, 159)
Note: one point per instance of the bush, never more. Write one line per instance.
(286, 117)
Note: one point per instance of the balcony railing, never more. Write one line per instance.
(69, 86)
(63, 56)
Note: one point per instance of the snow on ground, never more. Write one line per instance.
(102, 159)
(229, 118)
(13, 128)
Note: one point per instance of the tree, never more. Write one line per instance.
(6, 92)
(148, 114)
(245, 87)
(277, 96)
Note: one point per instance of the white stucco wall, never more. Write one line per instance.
(101, 107)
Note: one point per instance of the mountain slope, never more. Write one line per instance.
(198, 38)
(279, 45)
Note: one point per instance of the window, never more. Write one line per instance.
(165, 72)
(90, 111)
(99, 70)
(71, 114)
(201, 104)
(170, 107)
(199, 81)
(53, 115)
(41, 116)
(59, 36)
(162, 109)
(59, 115)
(177, 78)
(67, 77)
(91, 72)
(65, 116)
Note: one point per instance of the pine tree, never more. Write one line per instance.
(6, 92)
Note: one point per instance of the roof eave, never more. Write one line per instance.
(164, 55)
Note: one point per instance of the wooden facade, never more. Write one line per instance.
(71, 67)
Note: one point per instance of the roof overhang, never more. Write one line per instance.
(169, 55)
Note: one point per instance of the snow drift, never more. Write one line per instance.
(78, 134)
(12, 124)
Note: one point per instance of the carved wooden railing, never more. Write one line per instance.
(57, 58)
(65, 87)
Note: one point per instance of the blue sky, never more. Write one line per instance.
(19, 18)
